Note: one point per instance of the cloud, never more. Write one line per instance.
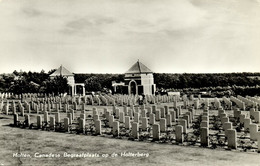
(86, 26)
(168, 36)
(30, 12)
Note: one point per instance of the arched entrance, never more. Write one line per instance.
(74, 88)
(132, 87)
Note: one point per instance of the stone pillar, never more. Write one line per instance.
(57, 117)
(162, 124)
(180, 111)
(75, 105)
(191, 114)
(122, 117)
(196, 104)
(57, 107)
(83, 107)
(46, 117)
(173, 113)
(204, 136)
(72, 114)
(166, 109)
(114, 109)
(111, 120)
(162, 110)
(27, 120)
(247, 122)
(177, 113)
(144, 124)
(130, 113)
(65, 107)
(29, 109)
(187, 118)
(156, 132)
(6, 109)
(84, 92)
(226, 126)
(22, 111)
(251, 112)
(82, 125)
(169, 120)
(15, 119)
(104, 113)
(48, 107)
(69, 115)
(98, 127)
(107, 115)
(66, 124)
(175, 104)
(149, 110)
(232, 138)
(52, 122)
(116, 129)
(14, 108)
(37, 109)
(179, 133)
(258, 140)
(135, 130)
(136, 117)
(117, 113)
(127, 122)
(154, 108)
(183, 123)
(39, 121)
(41, 107)
(125, 110)
(157, 115)
(257, 116)
(151, 119)
(144, 113)
(253, 129)
(241, 118)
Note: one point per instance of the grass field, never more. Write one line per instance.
(31, 142)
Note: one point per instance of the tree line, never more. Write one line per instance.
(39, 82)
(32, 82)
(180, 81)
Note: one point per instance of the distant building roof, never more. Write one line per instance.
(61, 71)
(138, 68)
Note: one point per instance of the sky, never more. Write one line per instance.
(109, 36)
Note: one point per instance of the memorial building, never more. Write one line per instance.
(62, 71)
(138, 80)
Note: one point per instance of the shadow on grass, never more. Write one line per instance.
(4, 118)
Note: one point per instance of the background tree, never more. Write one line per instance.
(226, 83)
(93, 83)
(57, 85)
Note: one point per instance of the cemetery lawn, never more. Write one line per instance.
(29, 142)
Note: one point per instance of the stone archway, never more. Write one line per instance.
(74, 90)
(132, 87)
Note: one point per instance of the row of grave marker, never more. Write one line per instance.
(156, 115)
